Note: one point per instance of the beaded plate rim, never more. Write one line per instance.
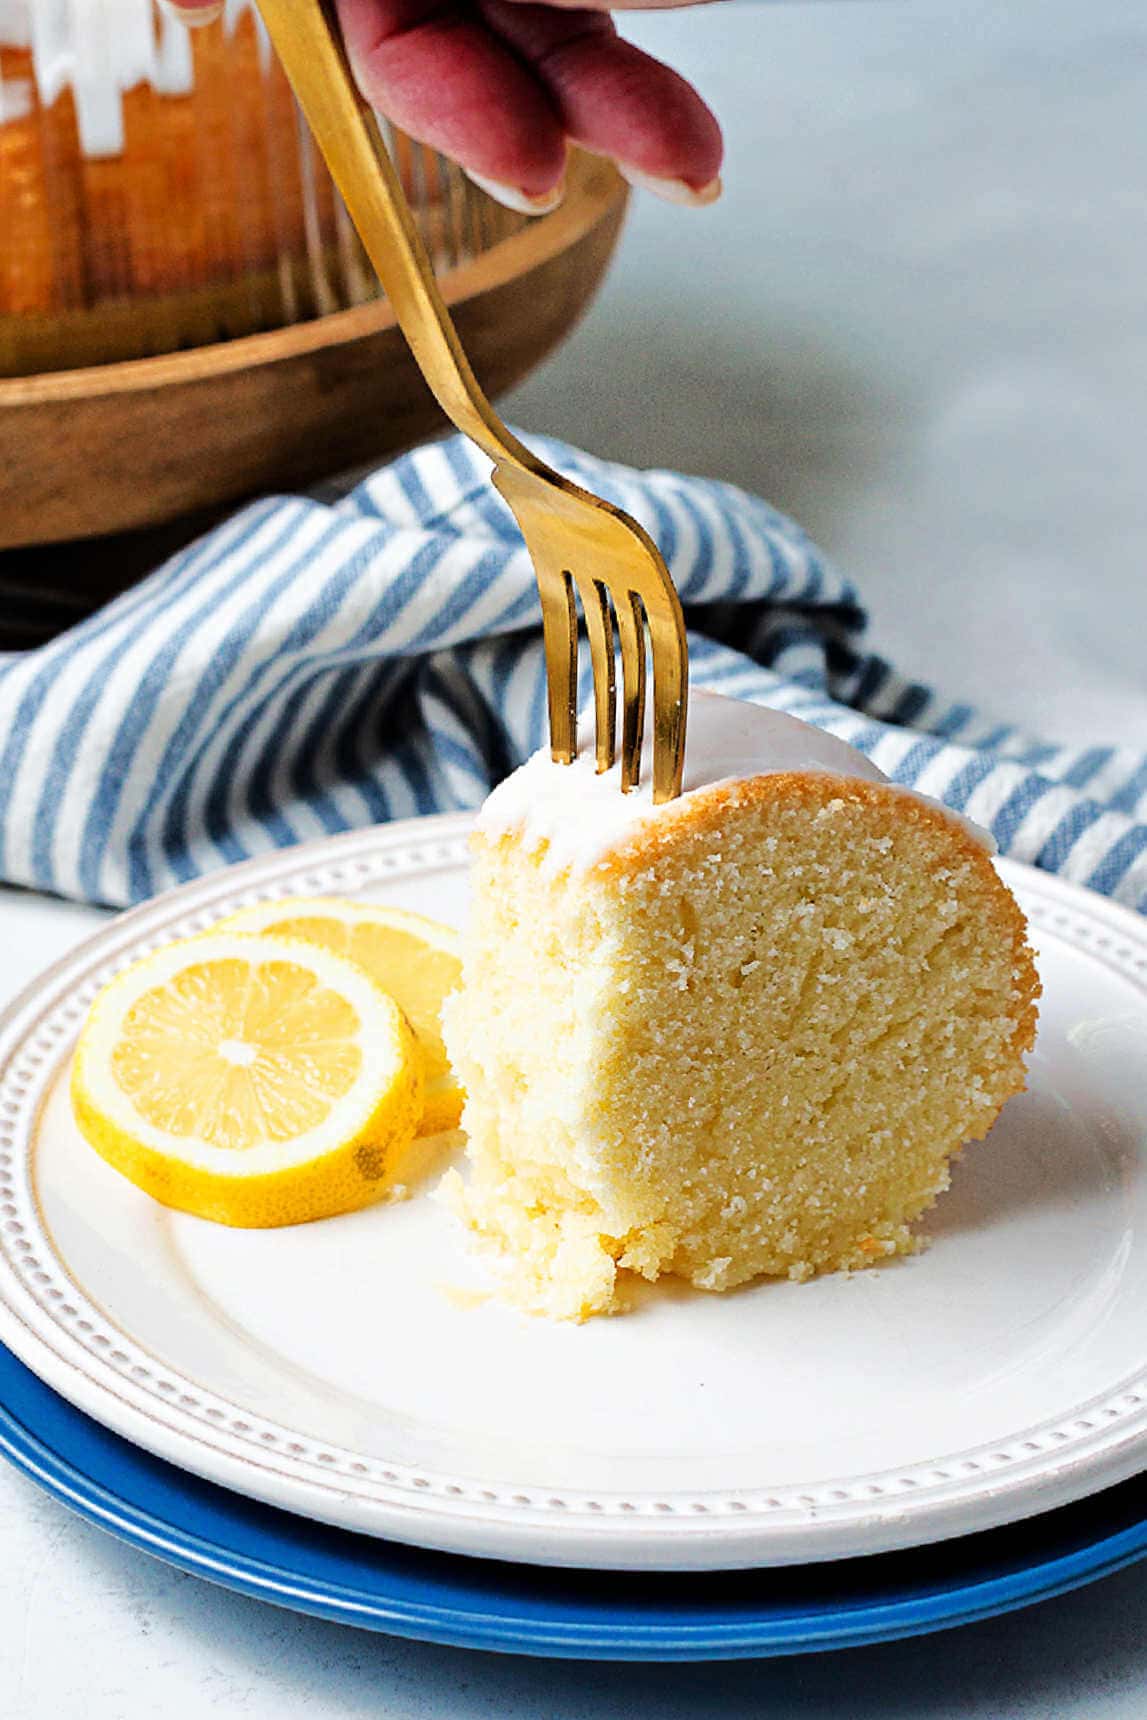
(49, 1323)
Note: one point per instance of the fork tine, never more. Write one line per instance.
(599, 627)
(559, 634)
(631, 631)
(670, 653)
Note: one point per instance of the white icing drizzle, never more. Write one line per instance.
(583, 816)
(99, 49)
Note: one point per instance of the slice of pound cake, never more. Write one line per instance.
(741, 1033)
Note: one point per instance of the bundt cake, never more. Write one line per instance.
(738, 1034)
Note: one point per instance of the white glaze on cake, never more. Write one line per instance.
(99, 49)
(582, 816)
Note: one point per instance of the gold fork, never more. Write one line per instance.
(575, 539)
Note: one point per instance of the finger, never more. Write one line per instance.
(443, 76)
(616, 100)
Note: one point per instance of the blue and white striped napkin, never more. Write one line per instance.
(308, 668)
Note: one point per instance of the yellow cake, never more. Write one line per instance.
(738, 1034)
(156, 189)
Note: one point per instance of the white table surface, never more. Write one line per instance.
(918, 320)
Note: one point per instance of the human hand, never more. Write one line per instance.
(501, 86)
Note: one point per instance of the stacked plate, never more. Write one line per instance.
(330, 1417)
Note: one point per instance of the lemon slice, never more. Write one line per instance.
(414, 958)
(255, 1081)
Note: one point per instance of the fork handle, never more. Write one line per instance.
(306, 36)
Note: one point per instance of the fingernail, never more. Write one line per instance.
(673, 190)
(510, 197)
(194, 16)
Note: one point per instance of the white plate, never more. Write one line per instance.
(334, 1369)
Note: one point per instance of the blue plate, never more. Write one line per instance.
(475, 1603)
